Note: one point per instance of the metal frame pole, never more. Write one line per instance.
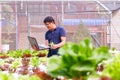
(62, 9)
(109, 13)
(0, 30)
(16, 17)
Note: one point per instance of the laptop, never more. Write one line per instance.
(35, 45)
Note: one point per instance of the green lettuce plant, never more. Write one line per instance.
(112, 67)
(77, 60)
(4, 76)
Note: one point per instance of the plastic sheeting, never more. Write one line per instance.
(87, 22)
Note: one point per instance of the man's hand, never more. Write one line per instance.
(55, 46)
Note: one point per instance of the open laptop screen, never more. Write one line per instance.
(33, 42)
(35, 45)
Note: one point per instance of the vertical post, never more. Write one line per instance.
(0, 29)
(105, 34)
(29, 28)
(28, 24)
(16, 20)
(110, 30)
(62, 9)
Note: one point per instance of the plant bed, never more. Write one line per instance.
(25, 66)
(41, 55)
(3, 56)
(26, 55)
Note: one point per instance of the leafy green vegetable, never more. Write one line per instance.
(112, 67)
(2, 62)
(35, 61)
(16, 63)
(4, 76)
(15, 54)
(19, 53)
(43, 59)
(77, 60)
(51, 43)
(26, 77)
(34, 78)
(27, 51)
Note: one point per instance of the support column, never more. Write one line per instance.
(0, 29)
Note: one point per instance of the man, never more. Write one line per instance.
(55, 35)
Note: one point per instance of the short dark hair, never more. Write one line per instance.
(49, 19)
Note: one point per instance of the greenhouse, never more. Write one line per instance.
(59, 40)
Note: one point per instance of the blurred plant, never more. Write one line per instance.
(112, 67)
(26, 53)
(81, 34)
(11, 76)
(15, 54)
(35, 61)
(26, 77)
(16, 63)
(77, 60)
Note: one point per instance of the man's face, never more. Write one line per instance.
(49, 25)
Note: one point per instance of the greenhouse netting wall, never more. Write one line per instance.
(80, 19)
